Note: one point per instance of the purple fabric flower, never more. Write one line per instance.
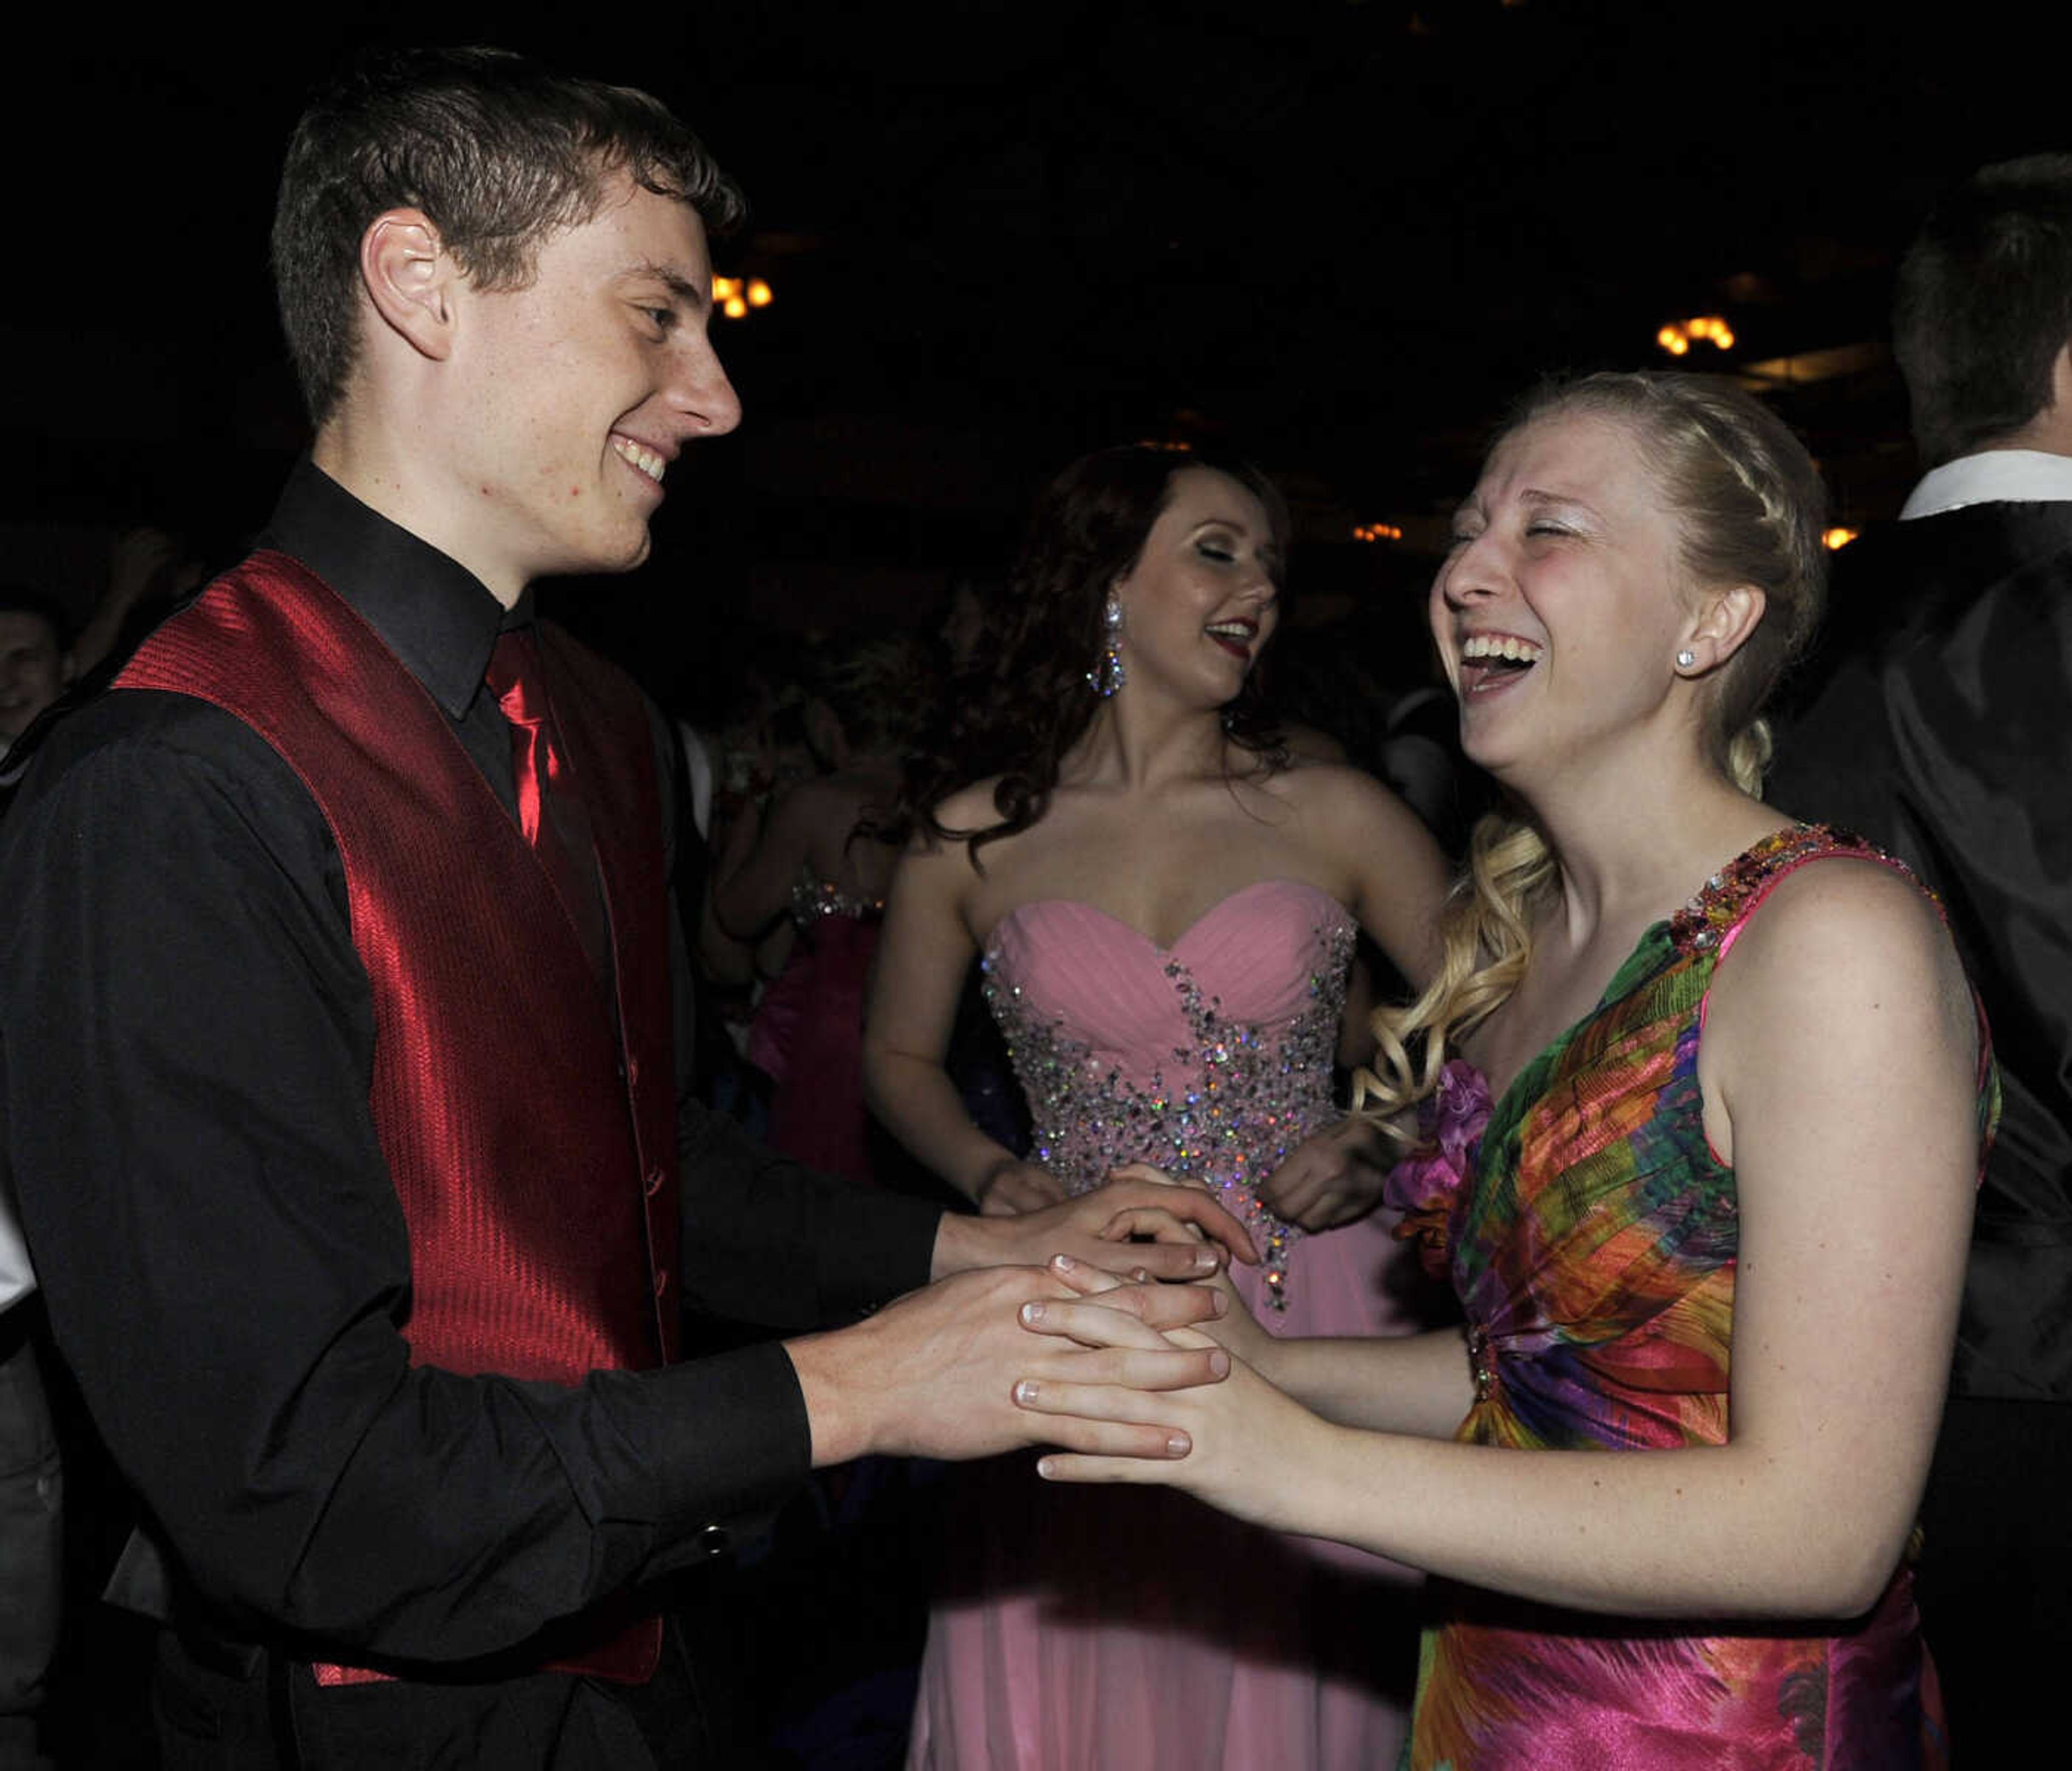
(1425, 1185)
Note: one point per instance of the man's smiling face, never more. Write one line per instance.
(576, 392)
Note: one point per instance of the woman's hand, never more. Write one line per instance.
(1244, 1440)
(1331, 1178)
(1229, 1322)
(1011, 1188)
(1134, 1228)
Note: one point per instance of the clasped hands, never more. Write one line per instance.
(1129, 1273)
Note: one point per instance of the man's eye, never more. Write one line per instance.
(663, 317)
(1547, 528)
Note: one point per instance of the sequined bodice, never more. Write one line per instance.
(1210, 1059)
(813, 899)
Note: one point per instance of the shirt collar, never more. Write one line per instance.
(437, 617)
(1993, 476)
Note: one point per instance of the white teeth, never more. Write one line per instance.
(649, 463)
(1234, 630)
(1518, 651)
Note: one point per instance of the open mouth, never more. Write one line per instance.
(1235, 637)
(1493, 661)
(640, 457)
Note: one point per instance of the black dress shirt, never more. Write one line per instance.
(186, 1044)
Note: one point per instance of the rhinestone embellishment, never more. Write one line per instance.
(1227, 1110)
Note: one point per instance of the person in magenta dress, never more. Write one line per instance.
(1166, 903)
(817, 864)
(1701, 1175)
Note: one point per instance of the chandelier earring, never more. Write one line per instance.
(1108, 674)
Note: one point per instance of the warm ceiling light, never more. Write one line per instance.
(1836, 538)
(736, 295)
(1707, 328)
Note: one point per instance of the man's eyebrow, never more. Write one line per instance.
(693, 295)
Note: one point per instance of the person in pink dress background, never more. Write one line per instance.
(1165, 902)
(1701, 1177)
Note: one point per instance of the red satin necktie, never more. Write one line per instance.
(550, 810)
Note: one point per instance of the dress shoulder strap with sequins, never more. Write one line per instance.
(1711, 922)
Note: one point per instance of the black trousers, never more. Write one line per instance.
(31, 1545)
(1995, 1582)
(215, 1713)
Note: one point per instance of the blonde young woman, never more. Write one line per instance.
(1702, 1177)
(1166, 901)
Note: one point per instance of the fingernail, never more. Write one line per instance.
(1044, 1467)
(1032, 1313)
(1179, 1445)
(1219, 1363)
(1064, 1264)
(1025, 1391)
(1205, 1260)
(1218, 1305)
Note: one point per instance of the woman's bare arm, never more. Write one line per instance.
(922, 958)
(1396, 879)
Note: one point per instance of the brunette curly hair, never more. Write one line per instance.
(1026, 700)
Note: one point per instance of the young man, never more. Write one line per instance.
(1935, 723)
(340, 1083)
(35, 663)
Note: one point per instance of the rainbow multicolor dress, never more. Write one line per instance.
(1591, 1235)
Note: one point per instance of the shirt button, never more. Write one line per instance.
(655, 1177)
(715, 1540)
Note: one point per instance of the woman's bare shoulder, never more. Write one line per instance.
(970, 809)
(1336, 792)
(1845, 936)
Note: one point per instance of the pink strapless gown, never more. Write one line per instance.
(1097, 1629)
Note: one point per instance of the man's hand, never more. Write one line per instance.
(1184, 1224)
(935, 1373)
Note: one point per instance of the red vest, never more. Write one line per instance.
(532, 1146)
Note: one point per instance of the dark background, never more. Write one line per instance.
(1338, 234)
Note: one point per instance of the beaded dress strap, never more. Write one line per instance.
(1712, 920)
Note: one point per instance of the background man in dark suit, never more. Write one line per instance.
(1937, 720)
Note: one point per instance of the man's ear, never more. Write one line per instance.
(1724, 619)
(2061, 383)
(410, 279)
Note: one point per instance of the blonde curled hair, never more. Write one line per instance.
(1751, 507)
